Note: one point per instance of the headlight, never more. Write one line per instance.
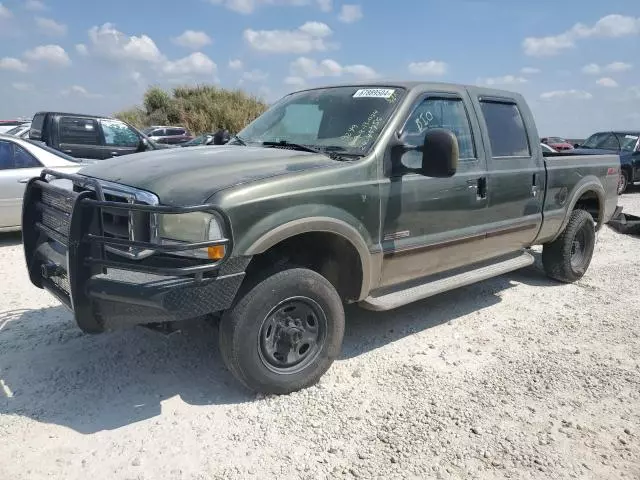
(190, 228)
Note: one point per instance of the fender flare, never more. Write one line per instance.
(325, 225)
(588, 184)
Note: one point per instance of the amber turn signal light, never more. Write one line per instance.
(215, 252)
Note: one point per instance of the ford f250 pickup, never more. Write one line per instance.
(375, 194)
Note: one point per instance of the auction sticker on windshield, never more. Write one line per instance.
(374, 93)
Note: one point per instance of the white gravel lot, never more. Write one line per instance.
(516, 377)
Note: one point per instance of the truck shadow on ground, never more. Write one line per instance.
(10, 239)
(53, 373)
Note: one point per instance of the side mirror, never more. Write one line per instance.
(144, 144)
(576, 145)
(440, 153)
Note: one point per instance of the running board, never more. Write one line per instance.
(399, 298)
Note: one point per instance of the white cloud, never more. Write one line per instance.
(235, 64)
(295, 81)
(109, 43)
(35, 6)
(49, 26)
(607, 82)
(307, 38)
(15, 64)
(52, 54)
(192, 39)
(195, 64)
(350, 13)
(5, 12)
(325, 5)
(432, 68)
(572, 94)
(304, 67)
(529, 71)
(79, 91)
(22, 86)
(81, 48)
(610, 26)
(595, 69)
(246, 7)
(255, 76)
(505, 80)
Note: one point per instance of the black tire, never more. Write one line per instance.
(623, 182)
(256, 326)
(567, 258)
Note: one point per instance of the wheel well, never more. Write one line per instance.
(590, 202)
(328, 254)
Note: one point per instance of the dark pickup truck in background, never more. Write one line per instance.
(374, 194)
(624, 143)
(89, 136)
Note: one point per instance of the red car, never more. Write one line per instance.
(557, 143)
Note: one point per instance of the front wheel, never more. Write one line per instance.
(284, 333)
(567, 258)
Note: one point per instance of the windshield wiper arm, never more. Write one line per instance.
(240, 140)
(295, 146)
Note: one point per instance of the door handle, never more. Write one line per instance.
(115, 154)
(534, 185)
(24, 180)
(67, 151)
(480, 186)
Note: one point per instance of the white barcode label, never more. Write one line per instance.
(374, 93)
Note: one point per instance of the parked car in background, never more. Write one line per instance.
(20, 160)
(21, 131)
(546, 148)
(168, 134)
(6, 125)
(625, 143)
(89, 136)
(204, 139)
(557, 143)
(374, 194)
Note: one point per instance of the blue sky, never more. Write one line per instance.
(576, 62)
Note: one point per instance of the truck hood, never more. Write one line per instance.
(189, 176)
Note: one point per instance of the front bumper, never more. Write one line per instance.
(67, 254)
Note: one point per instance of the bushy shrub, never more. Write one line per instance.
(203, 108)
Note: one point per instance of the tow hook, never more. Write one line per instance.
(50, 269)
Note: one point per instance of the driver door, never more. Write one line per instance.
(431, 225)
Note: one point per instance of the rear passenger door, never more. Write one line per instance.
(516, 176)
(80, 137)
(119, 139)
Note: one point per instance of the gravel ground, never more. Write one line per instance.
(515, 377)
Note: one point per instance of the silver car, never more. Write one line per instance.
(20, 160)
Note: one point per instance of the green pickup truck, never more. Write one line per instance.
(377, 194)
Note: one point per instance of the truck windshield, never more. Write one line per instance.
(344, 119)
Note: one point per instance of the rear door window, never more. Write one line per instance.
(14, 156)
(175, 132)
(79, 131)
(507, 132)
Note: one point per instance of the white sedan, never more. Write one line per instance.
(20, 160)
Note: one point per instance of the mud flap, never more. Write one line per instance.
(625, 223)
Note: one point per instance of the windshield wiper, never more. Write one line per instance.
(295, 146)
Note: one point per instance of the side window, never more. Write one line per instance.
(157, 133)
(118, 134)
(79, 131)
(610, 142)
(14, 156)
(6, 156)
(175, 132)
(23, 159)
(448, 113)
(507, 133)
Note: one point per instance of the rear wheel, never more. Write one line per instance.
(567, 258)
(284, 333)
